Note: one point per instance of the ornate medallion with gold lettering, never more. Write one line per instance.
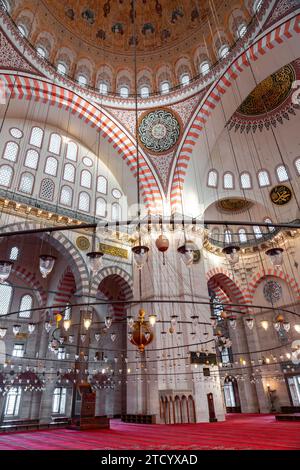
(281, 195)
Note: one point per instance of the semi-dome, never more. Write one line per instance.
(96, 42)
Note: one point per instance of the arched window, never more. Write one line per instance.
(227, 236)
(41, 51)
(204, 67)
(103, 88)
(223, 51)
(269, 221)
(282, 174)
(102, 185)
(84, 202)
(257, 5)
(86, 179)
(11, 151)
(242, 235)
(66, 196)
(245, 179)
(124, 91)
(164, 87)
(55, 143)
(263, 178)
(69, 172)
(36, 137)
(101, 207)
(23, 30)
(185, 79)
(14, 253)
(31, 159)
(51, 166)
(13, 401)
(297, 165)
(6, 292)
(47, 189)
(212, 179)
(257, 232)
(25, 306)
(6, 175)
(82, 80)
(62, 68)
(228, 182)
(116, 211)
(242, 29)
(145, 91)
(72, 150)
(26, 183)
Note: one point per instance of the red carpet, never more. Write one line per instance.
(237, 432)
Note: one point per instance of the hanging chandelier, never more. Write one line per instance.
(46, 264)
(276, 256)
(95, 261)
(232, 254)
(140, 255)
(142, 333)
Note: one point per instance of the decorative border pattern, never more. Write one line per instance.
(226, 287)
(261, 275)
(65, 289)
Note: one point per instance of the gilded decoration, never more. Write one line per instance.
(113, 250)
(234, 205)
(159, 130)
(281, 195)
(82, 243)
(270, 93)
(270, 103)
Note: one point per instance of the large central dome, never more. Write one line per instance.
(117, 24)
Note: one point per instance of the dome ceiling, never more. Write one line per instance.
(109, 24)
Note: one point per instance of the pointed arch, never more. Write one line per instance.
(24, 87)
(271, 39)
(62, 244)
(273, 272)
(226, 287)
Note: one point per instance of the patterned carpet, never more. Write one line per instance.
(245, 432)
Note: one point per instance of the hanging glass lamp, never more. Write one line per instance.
(5, 270)
(276, 256)
(232, 254)
(108, 321)
(186, 252)
(95, 261)
(140, 255)
(46, 264)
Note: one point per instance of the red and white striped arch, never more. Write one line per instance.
(31, 280)
(226, 287)
(113, 283)
(271, 272)
(289, 29)
(65, 289)
(27, 88)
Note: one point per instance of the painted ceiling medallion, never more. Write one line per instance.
(159, 130)
(82, 243)
(281, 195)
(234, 204)
(270, 93)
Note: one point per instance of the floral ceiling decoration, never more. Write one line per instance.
(270, 103)
(159, 130)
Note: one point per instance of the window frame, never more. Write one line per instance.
(51, 174)
(33, 182)
(62, 394)
(28, 310)
(17, 153)
(72, 195)
(106, 184)
(89, 199)
(250, 179)
(282, 165)
(10, 299)
(17, 403)
(42, 139)
(11, 175)
(229, 173)
(268, 175)
(217, 178)
(60, 144)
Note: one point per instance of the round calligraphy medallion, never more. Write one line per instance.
(281, 195)
(159, 130)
